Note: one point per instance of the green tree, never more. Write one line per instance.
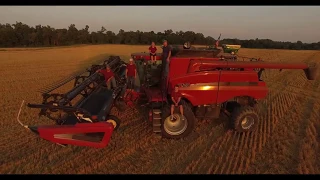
(22, 35)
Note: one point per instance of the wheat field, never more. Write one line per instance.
(286, 142)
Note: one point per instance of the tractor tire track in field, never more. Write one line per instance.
(309, 152)
(238, 151)
(195, 149)
(305, 125)
(290, 135)
(27, 154)
(293, 91)
(161, 149)
(138, 156)
(193, 166)
(193, 146)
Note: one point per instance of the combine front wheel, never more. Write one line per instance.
(115, 121)
(178, 127)
(245, 119)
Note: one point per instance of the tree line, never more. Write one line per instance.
(23, 35)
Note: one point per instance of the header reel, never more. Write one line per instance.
(55, 106)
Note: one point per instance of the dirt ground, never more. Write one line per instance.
(286, 142)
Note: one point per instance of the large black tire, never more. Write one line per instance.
(115, 121)
(244, 119)
(232, 105)
(185, 127)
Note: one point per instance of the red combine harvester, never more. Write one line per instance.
(210, 85)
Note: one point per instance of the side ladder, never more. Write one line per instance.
(156, 120)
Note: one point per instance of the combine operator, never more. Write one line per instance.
(166, 54)
(153, 51)
(109, 77)
(131, 74)
(176, 101)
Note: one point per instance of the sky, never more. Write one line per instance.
(279, 23)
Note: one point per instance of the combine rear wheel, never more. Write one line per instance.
(245, 119)
(115, 121)
(178, 127)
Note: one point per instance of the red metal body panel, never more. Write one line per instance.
(145, 56)
(226, 92)
(179, 66)
(207, 87)
(219, 86)
(131, 97)
(203, 85)
(64, 134)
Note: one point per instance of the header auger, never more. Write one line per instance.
(209, 86)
